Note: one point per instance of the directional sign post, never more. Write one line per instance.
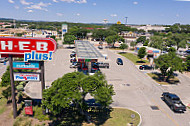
(31, 49)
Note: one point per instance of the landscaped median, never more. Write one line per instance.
(157, 77)
(117, 117)
(134, 58)
(3, 101)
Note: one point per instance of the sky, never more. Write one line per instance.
(95, 11)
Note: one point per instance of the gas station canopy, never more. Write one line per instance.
(85, 50)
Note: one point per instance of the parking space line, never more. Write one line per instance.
(176, 124)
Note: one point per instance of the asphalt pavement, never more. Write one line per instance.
(135, 90)
(2, 68)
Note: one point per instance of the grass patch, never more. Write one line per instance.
(39, 115)
(120, 117)
(157, 78)
(115, 48)
(3, 101)
(22, 121)
(134, 58)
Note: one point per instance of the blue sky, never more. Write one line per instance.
(95, 11)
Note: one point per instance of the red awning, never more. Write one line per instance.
(150, 51)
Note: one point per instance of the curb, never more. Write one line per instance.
(134, 111)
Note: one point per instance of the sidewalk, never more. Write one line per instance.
(187, 74)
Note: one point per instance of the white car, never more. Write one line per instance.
(2, 60)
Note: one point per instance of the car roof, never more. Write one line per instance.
(119, 58)
(173, 95)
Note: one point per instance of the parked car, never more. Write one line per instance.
(103, 65)
(119, 61)
(74, 65)
(173, 102)
(73, 52)
(72, 55)
(73, 60)
(145, 67)
(2, 60)
(100, 47)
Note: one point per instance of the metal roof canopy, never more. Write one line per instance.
(85, 50)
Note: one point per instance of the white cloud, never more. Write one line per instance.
(44, 4)
(94, 4)
(78, 14)
(59, 14)
(183, 0)
(55, 1)
(25, 3)
(30, 11)
(17, 7)
(75, 1)
(113, 15)
(11, 1)
(135, 3)
(177, 15)
(39, 6)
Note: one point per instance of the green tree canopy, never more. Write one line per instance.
(141, 52)
(133, 44)
(187, 63)
(113, 39)
(72, 88)
(156, 42)
(168, 63)
(102, 33)
(123, 46)
(69, 39)
(180, 40)
(141, 39)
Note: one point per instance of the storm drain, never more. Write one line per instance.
(154, 107)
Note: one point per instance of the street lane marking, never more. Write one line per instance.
(176, 124)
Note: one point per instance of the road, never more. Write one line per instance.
(2, 68)
(135, 90)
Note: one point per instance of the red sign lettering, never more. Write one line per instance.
(13, 45)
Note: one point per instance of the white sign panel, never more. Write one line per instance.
(26, 77)
(64, 29)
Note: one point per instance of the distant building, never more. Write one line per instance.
(149, 27)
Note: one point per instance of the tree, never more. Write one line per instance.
(102, 33)
(141, 39)
(113, 39)
(156, 42)
(121, 27)
(69, 39)
(72, 88)
(123, 46)
(146, 43)
(168, 63)
(187, 63)
(141, 52)
(172, 49)
(133, 44)
(180, 40)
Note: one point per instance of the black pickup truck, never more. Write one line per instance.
(173, 102)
